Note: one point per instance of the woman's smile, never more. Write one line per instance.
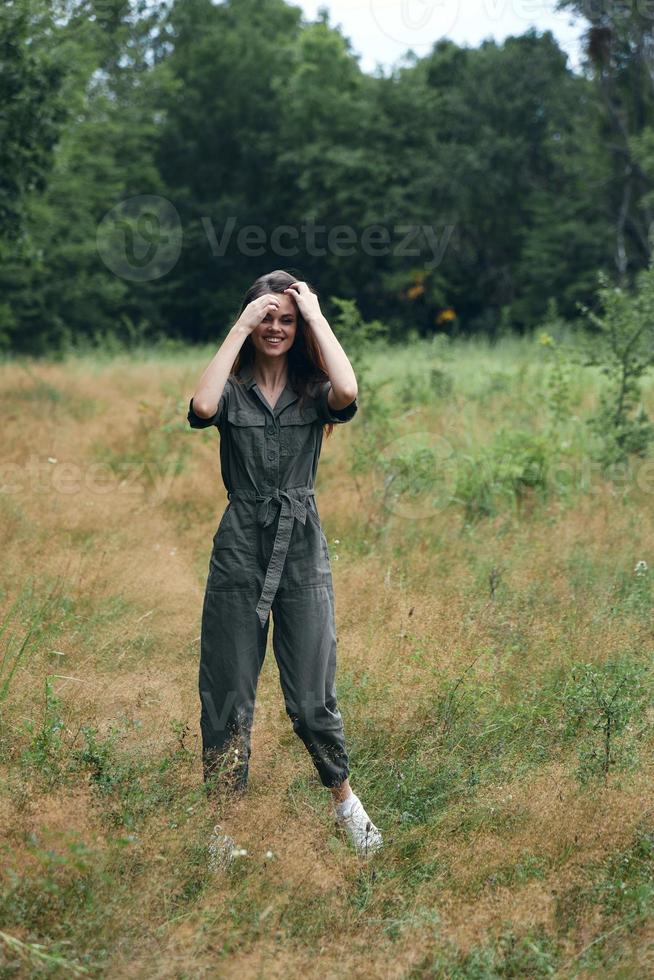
(282, 318)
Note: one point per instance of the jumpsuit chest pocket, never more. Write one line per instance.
(247, 430)
(296, 430)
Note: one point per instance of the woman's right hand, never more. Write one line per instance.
(212, 383)
(255, 311)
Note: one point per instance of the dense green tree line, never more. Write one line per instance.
(479, 181)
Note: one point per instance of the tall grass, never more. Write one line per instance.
(493, 603)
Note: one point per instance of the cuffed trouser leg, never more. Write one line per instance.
(304, 644)
(232, 651)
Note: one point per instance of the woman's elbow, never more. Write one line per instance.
(203, 408)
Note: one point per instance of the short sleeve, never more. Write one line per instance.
(328, 414)
(198, 422)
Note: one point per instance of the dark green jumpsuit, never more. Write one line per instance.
(269, 552)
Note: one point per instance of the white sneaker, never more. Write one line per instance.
(361, 830)
(221, 849)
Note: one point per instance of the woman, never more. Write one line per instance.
(279, 376)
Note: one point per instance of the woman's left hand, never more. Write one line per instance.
(306, 300)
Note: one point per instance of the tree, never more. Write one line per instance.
(620, 60)
(33, 111)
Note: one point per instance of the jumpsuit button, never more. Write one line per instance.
(271, 455)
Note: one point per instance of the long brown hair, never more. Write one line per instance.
(306, 366)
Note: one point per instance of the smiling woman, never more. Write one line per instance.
(268, 392)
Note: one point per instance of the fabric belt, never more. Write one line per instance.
(293, 506)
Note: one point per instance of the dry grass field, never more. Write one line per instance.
(494, 678)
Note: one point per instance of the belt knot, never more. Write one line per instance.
(292, 507)
(266, 512)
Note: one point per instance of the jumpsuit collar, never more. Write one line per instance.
(288, 395)
(247, 377)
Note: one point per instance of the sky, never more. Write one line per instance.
(381, 31)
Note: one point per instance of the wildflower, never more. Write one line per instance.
(269, 854)
(52, 459)
(641, 567)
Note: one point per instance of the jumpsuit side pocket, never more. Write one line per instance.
(314, 517)
(232, 564)
(225, 524)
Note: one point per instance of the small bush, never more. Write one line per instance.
(516, 462)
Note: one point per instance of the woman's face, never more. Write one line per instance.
(275, 334)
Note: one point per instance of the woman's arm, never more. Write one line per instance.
(212, 381)
(206, 396)
(344, 387)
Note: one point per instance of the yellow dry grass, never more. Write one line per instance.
(137, 668)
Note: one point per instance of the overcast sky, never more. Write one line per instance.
(383, 30)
